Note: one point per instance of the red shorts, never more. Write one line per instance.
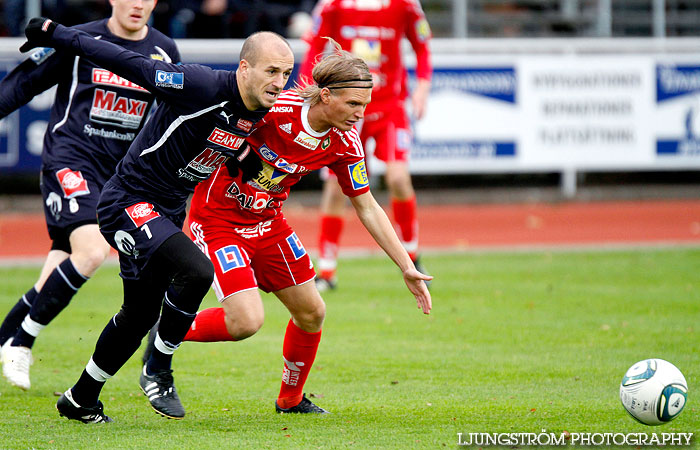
(268, 255)
(391, 131)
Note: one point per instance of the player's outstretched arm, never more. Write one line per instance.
(165, 80)
(377, 223)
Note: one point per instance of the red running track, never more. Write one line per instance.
(464, 226)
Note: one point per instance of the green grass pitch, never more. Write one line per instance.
(516, 342)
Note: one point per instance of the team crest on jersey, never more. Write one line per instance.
(141, 213)
(358, 174)
(244, 125)
(156, 57)
(226, 139)
(326, 143)
(72, 183)
(287, 128)
(107, 78)
(307, 141)
(174, 80)
(422, 30)
(111, 109)
(203, 165)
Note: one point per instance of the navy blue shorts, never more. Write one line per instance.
(135, 227)
(70, 201)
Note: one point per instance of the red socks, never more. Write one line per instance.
(405, 217)
(329, 239)
(299, 353)
(209, 326)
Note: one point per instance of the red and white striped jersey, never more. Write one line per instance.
(289, 149)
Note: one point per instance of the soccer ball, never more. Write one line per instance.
(653, 391)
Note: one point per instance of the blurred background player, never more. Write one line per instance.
(372, 30)
(93, 120)
(239, 224)
(202, 123)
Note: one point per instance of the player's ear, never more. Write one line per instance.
(243, 67)
(326, 95)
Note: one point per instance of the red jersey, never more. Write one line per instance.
(289, 149)
(372, 30)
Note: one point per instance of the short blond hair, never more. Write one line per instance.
(339, 69)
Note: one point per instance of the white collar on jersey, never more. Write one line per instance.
(305, 121)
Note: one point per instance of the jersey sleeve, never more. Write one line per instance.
(418, 33)
(39, 72)
(188, 85)
(351, 168)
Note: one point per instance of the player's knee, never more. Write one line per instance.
(311, 318)
(244, 324)
(201, 272)
(87, 261)
(138, 321)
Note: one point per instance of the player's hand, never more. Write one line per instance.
(39, 31)
(416, 284)
(248, 163)
(419, 99)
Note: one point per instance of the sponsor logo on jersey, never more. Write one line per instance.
(110, 109)
(254, 231)
(244, 125)
(226, 139)
(283, 109)
(369, 50)
(287, 128)
(174, 80)
(202, 165)
(105, 77)
(141, 213)
(282, 164)
(307, 141)
(358, 174)
(72, 183)
(267, 153)
(269, 178)
(256, 203)
(156, 57)
(41, 54)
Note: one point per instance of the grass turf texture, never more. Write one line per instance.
(517, 342)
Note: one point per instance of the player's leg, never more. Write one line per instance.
(301, 340)
(235, 285)
(14, 318)
(88, 251)
(118, 341)
(241, 316)
(191, 273)
(285, 268)
(71, 223)
(331, 226)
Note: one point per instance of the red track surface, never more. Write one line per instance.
(461, 227)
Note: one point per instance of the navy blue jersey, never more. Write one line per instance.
(96, 114)
(200, 122)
